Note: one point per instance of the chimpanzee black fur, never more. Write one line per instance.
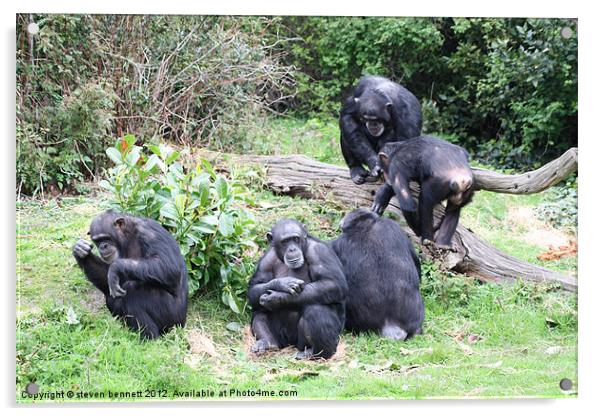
(443, 172)
(379, 111)
(298, 294)
(140, 271)
(383, 274)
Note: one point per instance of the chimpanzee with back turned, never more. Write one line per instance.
(140, 271)
(297, 294)
(442, 170)
(377, 112)
(383, 275)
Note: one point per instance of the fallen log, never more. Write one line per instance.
(297, 175)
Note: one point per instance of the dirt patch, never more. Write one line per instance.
(291, 351)
(536, 232)
(95, 301)
(200, 343)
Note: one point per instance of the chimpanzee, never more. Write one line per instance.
(383, 274)
(443, 172)
(140, 271)
(378, 111)
(298, 294)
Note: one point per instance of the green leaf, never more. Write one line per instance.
(133, 156)
(172, 157)
(104, 184)
(234, 327)
(130, 139)
(226, 225)
(229, 300)
(169, 211)
(152, 161)
(114, 155)
(155, 149)
(221, 186)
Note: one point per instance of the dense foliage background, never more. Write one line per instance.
(506, 89)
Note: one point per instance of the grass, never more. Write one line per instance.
(480, 340)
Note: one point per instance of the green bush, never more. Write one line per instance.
(202, 209)
(559, 206)
(72, 145)
(506, 89)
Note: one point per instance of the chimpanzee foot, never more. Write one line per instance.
(427, 242)
(306, 354)
(446, 247)
(393, 332)
(262, 346)
(358, 175)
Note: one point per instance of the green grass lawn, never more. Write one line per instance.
(480, 340)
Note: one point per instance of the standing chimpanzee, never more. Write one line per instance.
(140, 271)
(379, 111)
(443, 172)
(298, 294)
(383, 274)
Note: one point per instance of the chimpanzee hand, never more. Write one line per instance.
(377, 207)
(358, 175)
(375, 172)
(290, 285)
(115, 289)
(272, 300)
(82, 249)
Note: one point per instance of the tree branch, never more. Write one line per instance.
(298, 175)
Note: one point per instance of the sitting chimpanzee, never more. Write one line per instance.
(383, 274)
(443, 172)
(379, 111)
(298, 294)
(140, 271)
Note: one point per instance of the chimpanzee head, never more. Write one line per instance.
(358, 219)
(386, 159)
(289, 239)
(108, 232)
(374, 110)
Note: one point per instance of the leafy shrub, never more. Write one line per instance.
(202, 209)
(72, 146)
(495, 84)
(191, 79)
(559, 206)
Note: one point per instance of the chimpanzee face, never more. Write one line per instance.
(373, 110)
(106, 232)
(289, 239)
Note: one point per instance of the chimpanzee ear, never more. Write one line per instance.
(384, 157)
(269, 236)
(120, 223)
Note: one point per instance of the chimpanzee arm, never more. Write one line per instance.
(328, 283)
(160, 270)
(382, 198)
(401, 186)
(355, 137)
(94, 268)
(263, 280)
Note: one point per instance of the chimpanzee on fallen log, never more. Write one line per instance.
(379, 111)
(140, 271)
(298, 294)
(383, 274)
(443, 172)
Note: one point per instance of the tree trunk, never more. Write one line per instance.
(297, 175)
